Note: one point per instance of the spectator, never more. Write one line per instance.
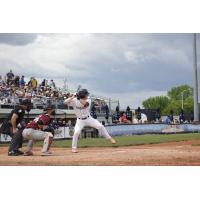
(129, 113)
(3, 101)
(43, 83)
(22, 82)
(117, 112)
(46, 83)
(28, 94)
(10, 77)
(171, 116)
(138, 112)
(16, 81)
(157, 115)
(34, 83)
(124, 118)
(34, 93)
(107, 112)
(115, 119)
(117, 109)
(39, 95)
(182, 116)
(191, 115)
(52, 84)
(2, 82)
(128, 109)
(93, 111)
(30, 82)
(168, 120)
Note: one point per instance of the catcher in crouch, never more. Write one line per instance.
(38, 130)
(81, 104)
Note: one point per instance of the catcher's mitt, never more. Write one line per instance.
(52, 128)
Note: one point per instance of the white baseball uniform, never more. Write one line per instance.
(84, 119)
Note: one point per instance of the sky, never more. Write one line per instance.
(128, 67)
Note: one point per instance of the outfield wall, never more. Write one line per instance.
(134, 129)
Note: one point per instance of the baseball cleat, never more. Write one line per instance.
(112, 141)
(28, 153)
(74, 151)
(15, 153)
(20, 152)
(46, 153)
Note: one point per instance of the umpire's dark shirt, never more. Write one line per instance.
(7, 122)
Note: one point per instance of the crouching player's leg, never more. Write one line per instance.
(37, 135)
(29, 152)
(47, 144)
(96, 124)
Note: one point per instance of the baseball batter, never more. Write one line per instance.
(81, 104)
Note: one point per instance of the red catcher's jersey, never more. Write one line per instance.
(44, 117)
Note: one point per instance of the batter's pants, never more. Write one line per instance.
(91, 122)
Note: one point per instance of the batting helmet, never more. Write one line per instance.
(82, 93)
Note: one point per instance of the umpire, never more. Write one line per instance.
(9, 126)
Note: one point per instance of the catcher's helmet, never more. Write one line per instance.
(82, 93)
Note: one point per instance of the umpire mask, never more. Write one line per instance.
(53, 113)
(28, 109)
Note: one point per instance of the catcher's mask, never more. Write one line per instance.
(40, 122)
(83, 93)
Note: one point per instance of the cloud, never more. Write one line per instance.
(17, 38)
(122, 66)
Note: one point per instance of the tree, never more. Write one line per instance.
(175, 105)
(175, 93)
(173, 100)
(158, 102)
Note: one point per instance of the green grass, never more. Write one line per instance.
(125, 140)
(128, 140)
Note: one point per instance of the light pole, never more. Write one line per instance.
(196, 106)
(182, 99)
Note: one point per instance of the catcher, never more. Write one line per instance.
(38, 130)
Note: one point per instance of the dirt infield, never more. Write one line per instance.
(174, 153)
